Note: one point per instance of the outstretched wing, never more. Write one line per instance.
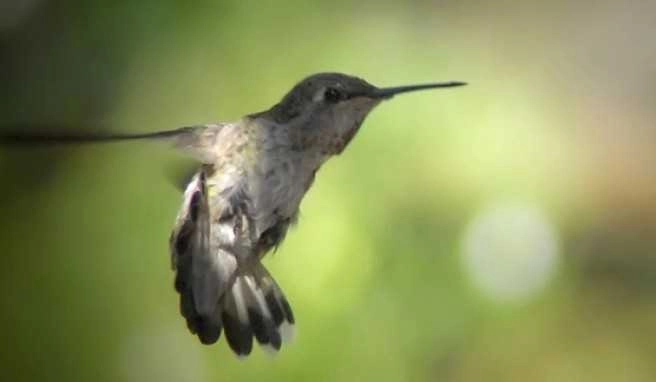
(198, 141)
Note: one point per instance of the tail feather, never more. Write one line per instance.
(235, 321)
(260, 317)
(276, 302)
(255, 307)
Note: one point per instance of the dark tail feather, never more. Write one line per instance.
(255, 306)
(238, 333)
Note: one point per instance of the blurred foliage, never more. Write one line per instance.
(558, 116)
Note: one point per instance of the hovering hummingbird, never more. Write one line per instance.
(239, 204)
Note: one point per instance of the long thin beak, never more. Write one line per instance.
(386, 93)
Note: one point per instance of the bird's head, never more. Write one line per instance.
(324, 111)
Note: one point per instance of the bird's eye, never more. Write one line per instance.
(332, 95)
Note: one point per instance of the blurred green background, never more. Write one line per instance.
(502, 231)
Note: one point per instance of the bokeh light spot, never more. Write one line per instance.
(510, 251)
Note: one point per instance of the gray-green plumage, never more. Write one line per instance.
(252, 188)
(255, 175)
(252, 176)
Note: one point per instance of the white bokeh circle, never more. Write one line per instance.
(510, 251)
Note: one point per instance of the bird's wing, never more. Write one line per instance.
(202, 273)
(197, 141)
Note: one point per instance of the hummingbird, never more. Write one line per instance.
(250, 179)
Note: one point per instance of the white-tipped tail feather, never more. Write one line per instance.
(255, 306)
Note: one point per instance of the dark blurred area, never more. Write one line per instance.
(503, 231)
